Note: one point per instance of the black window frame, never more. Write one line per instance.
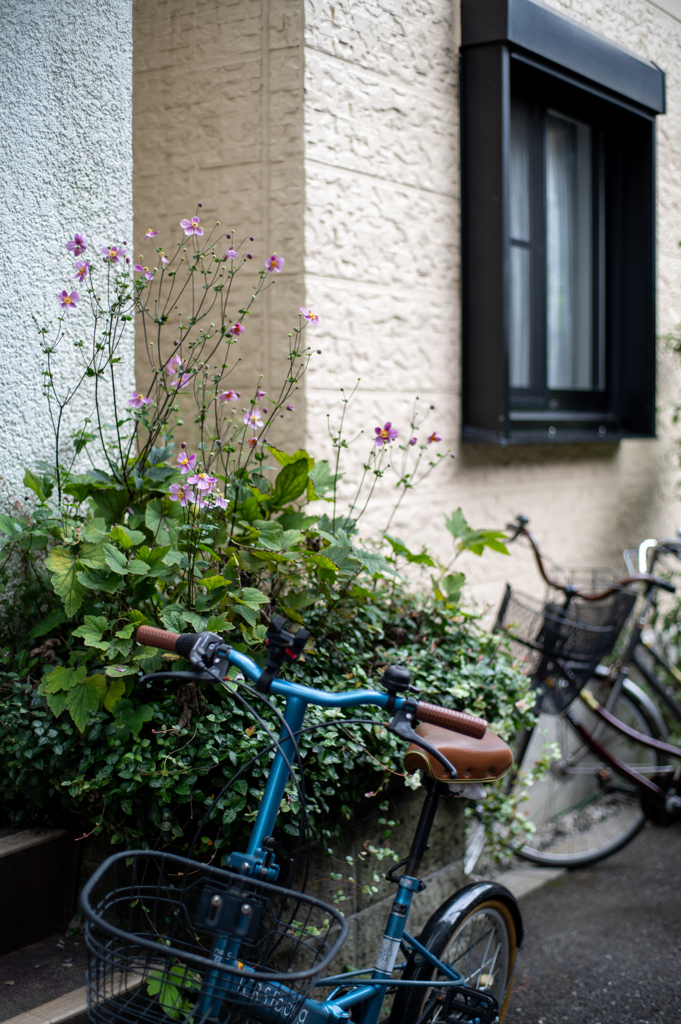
(520, 45)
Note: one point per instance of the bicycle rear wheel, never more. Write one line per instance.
(477, 932)
(581, 810)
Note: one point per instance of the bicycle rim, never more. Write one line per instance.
(483, 949)
(581, 811)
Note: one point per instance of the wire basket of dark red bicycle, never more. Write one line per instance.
(560, 645)
(171, 938)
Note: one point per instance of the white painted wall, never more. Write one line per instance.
(382, 270)
(65, 166)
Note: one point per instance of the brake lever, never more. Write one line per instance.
(401, 726)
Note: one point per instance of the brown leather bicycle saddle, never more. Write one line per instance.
(484, 760)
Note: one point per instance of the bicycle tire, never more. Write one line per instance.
(580, 816)
(483, 917)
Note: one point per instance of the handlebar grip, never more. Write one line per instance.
(153, 637)
(457, 721)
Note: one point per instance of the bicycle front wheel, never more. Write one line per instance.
(477, 932)
(581, 810)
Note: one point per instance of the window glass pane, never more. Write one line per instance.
(519, 327)
(519, 170)
(569, 255)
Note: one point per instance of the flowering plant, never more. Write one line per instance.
(218, 533)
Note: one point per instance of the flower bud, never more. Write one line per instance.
(183, 445)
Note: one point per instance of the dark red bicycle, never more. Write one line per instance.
(608, 765)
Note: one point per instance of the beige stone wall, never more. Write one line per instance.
(383, 269)
(329, 130)
(217, 119)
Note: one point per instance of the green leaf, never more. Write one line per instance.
(343, 558)
(96, 580)
(9, 526)
(174, 558)
(246, 612)
(116, 560)
(94, 531)
(56, 703)
(126, 632)
(114, 694)
(296, 521)
(137, 567)
(322, 478)
(219, 624)
(372, 561)
(110, 504)
(92, 556)
(125, 537)
(82, 703)
(321, 560)
(92, 631)
(452, 584)
(400, 548)
(270, 533)
(118, 671)
(457, 525)
(31, 481)
(252, 597)
(63, 566)
(284, 459)
(63, 678)
(159, 521)
(50, 622)
(129, 718)
(291, 482)
(213, 582)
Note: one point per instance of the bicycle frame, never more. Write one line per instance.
(258, 862)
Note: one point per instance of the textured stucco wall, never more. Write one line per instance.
(218, 109)
(383, 271)
(65, 166)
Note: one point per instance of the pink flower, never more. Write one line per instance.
(136, 401)
(412, 440)
(252, 418)
(181, 493)
(186, 462)
(274, 263)
(203, 482)
(252, 441)
(231, 254)
(112, 253)
(191, 227)
(149, 234)
(69, 301)
(229, 396)
(260, 394)
(309, 316)
(180, 382)
(291, 408)
(384, 435)
(220, 502)
(77, 244)
(237, 329)
(82, 267)
(201, 501)
(434, 437)
(164, 259)
(144, 270)
(175, 364)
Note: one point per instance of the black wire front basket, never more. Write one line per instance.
(171, 939)
(561, 646)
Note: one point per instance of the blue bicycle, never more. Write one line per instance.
(173, 939)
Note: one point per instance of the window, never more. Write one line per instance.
(558, 229)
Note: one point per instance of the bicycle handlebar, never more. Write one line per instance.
(456, 721)
(520, 527)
